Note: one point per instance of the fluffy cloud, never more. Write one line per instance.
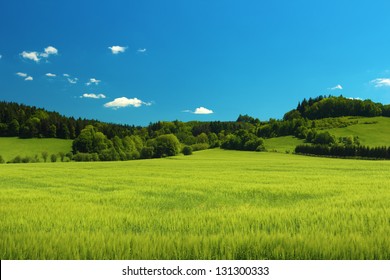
(117, 49)
(20, 74)
(51, 50)
(381, 82)
(200, 111)
(31, 55)
(36, 56)
(338, 87)
(141, 50)
(92, 95)
(203, 111)
(29, 78)
(51, 75)
(93, 81)
(126, 102)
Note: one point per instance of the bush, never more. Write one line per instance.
(86, 157)
(45, 155)
(2, 160)
(187, 150)
(53, 158)
(199, 147)
(147, 152)
(165, 145)
(62, 155)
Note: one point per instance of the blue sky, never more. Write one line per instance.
(137, 62)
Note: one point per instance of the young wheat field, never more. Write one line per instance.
(214, 204)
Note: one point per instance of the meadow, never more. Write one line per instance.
(214, 204)
(11, 147)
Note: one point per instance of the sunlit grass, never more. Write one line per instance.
(214, 204)
(10, 147)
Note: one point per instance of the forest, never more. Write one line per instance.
(94, 140)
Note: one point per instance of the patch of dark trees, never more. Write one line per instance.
(344, 151)
(333, 107)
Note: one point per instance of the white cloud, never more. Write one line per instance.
(50, 75)
(29, 78)
(30, 55)
(20, 74)
(126, 102)
(92, 95)
(141, 50)
(381, 82)
(51, 50)
(338, 87)
(35, 56)
(66, 75)
(117, 49)
(93, 81)
(73, 81)
(203, 111)
(200, 111)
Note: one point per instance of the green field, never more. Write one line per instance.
(371, 131)
(11, 147)
(214, 204)
(282, 144)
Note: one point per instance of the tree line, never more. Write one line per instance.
(94, 140)
(333, 107)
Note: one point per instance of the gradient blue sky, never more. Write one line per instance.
(181, 58)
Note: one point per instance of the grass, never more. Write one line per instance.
(282, 144)
(371, 131)
(214, 204)
(10, 147)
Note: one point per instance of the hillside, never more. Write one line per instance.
(371, 131)
(10, 147)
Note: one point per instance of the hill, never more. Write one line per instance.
(10, 147)
(371, 131)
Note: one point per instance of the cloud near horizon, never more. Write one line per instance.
(117, 49)
(381, 82)
(122, 102)
(338, 87)
(200, 111)
(93, 96)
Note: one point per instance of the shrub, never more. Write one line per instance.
(45, 155)
(147, 152)
(86, 157)
(62, 155)
(2, 160)
(187, 150)
(53, 158)
(199, 147)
